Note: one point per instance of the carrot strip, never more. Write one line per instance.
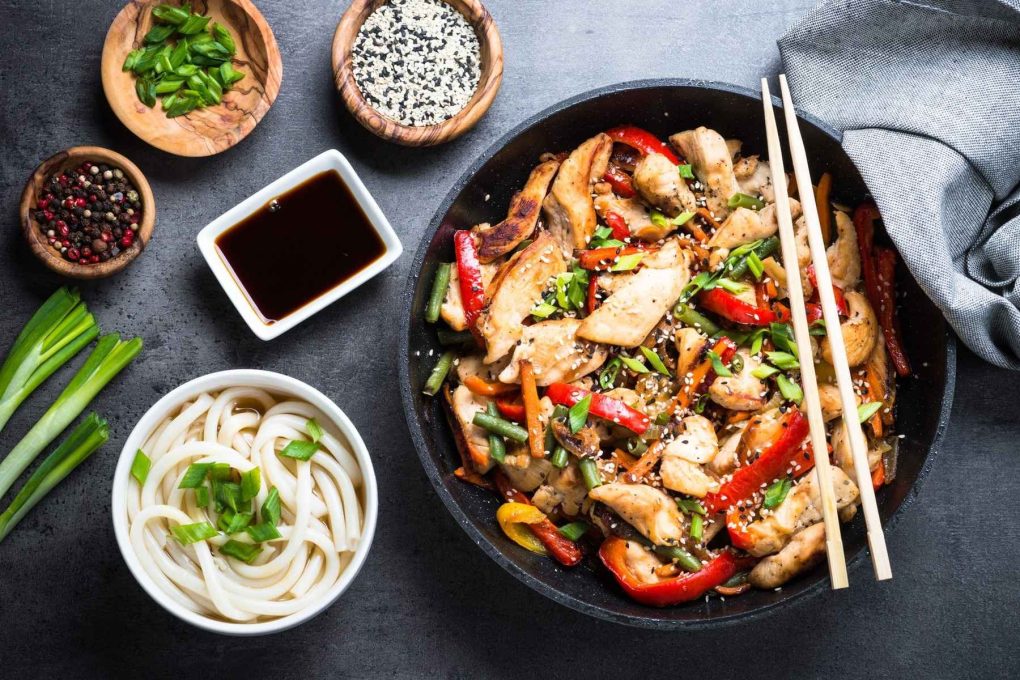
(486, 389)
(623, 460)
(648, 460)
(878, 475)
(529, 394)
(822, 192)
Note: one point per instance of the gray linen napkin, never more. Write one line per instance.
(928, 97)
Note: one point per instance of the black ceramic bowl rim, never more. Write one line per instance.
(436, 476)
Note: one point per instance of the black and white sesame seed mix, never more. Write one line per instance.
(417, 61)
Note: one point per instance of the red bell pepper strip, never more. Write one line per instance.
(771, 465)
(864, 223)
(510, 410)
(602, 259)
(887, 310)
(668, 592)
(469, 270)
(642, 140)
(565, 551)
(729, 306)
(814, 309)
(602, 406)
(619, 226)
(623, 185)
(593, 290)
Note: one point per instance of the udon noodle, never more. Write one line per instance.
(320, 509)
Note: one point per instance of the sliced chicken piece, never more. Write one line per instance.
(860, 331)
(755, 178)
(612, 282)
(725, 462)
(636, 215)
(465, 406)
(843, 456)
(564, 489)
(683, 457)
(771, 222)
(525, 472)
(452, 309)
(555, 352)
(647, 509)
(525, 207)
(741, 391)
(843, 256)
(627, 316)
(712, 163)
(642, 563)
(800, 509)
(568, 208)
(828, 399)
(742, 226)
(659, 182)
(803, 551)
(734, 146)
(762, 429)
(472, 365)
(690, 344)
(516, 290)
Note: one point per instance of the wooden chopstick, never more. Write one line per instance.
(812, 403)
(858, 444)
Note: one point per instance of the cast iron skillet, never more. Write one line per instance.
(482, 195)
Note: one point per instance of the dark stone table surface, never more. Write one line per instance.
(428, 603)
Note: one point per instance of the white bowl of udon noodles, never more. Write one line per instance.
(327, 511)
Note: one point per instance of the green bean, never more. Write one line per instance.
(497, 425)
(448, 337)
(559, 458)
(439, 285)
(590, 473)
(690, 317)
(550, 439)
(497, 447)
(687, 561)
(438, 375)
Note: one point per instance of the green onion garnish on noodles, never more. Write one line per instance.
(202, 496)
(109, 357)
(58, 330)
(251, 482)
(300, 449)
(140, 466)
(246, 552)
(79, 445)
(314, 430)
(263, 532)
(186, 534)
(227, 495)
(194, 475)
(232, 522)
(271, 507)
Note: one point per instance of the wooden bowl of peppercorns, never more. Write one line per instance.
(87, 212)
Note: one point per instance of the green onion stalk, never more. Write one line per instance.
(109, 357)
(72, 452)
(58, 330)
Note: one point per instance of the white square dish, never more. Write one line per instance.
(326, 161)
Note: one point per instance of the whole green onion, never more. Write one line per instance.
(497, 447)
(503, 428)
(590, 473)
(438, 375)
(72, 452)
(109, 357)
(440, 284)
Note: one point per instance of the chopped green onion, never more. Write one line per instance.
(654, 360)
(573, 531)
(757, 341)
(224, 38)
(186, 534)
(251, 482)
(228, 495)
(865, 411)
(300, 449)
(497, 447)
(739, 200)
(140, 466)
(699, 406)
(202, 496)
(817, 327)
(687, 561)
(764, 371)
(266, 531)
(736, 267)
(691, 506)
(231, 522)
(697, 526)
(314, 429)
(783, 360)
(689, 316)
(107, 360)
(755, 265)
(608, 374)
(440, 284)
(660, 220)
(83, 441)
(438, 375)
(170, 14)
(578, 414)
(246, 552)
(271, 507)
(194, 475)
(219, 472)
(737, 363)
(782, 337)
(730, 286)
(625, 263)
(543, 310)
(497, 425)
(662, 419)
(685, 170)
(718, 367)
(791, 391)
(776, 493)
(590, 473)
(559, 458)
(633, 364)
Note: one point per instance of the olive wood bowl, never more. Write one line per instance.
(212, 129)
(37, 240)
(491, 47)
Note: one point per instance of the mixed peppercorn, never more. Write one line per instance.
(90, 213)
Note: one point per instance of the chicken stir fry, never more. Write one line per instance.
(624, 375)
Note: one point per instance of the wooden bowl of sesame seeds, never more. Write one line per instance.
(354, 70)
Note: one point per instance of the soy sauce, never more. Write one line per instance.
(300, 245)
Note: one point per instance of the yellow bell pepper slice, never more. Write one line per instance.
(514, 519)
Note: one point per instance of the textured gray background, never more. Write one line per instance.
(428, 602)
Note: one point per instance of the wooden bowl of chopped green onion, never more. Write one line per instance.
(192, 81)
(398, 85)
